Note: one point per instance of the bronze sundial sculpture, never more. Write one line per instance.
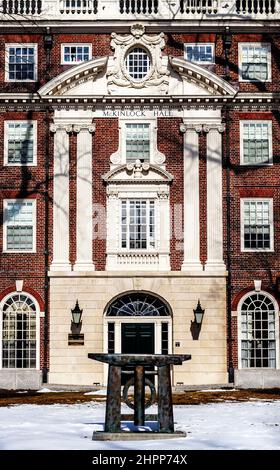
(113, 404)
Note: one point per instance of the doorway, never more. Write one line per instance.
(137, 338)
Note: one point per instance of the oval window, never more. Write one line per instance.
(137, 63)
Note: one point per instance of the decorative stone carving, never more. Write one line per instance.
(138, 168)
(157, 75)
(184, 127)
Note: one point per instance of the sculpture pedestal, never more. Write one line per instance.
(113, 404)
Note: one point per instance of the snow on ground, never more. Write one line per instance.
(246, 425)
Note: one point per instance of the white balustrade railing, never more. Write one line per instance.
(22, 7)
(80, 7)
(140, 259)
(141, 10)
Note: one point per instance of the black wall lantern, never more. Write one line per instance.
(198, 313)
(76, 338)
(197, 322)
(76, 314)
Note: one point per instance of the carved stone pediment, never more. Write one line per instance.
(137, 172)
(157, 75)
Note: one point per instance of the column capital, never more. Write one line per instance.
(84, 127)
(218, 127)
(189, 126)
(72, 128)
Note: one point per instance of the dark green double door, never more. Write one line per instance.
(137, 338)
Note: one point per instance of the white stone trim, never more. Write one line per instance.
(270, 142)
(146, 260)
(6, 139)
(37, 331)
(60, 260)
(214, 198)
(84, 217)
(119, 157)
(191, 197)
(240, 56)
(34, 224)
(271, 223)
(277, 312)
(7, 47)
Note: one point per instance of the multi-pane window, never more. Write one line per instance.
(111, 338)
(258, 347)
(256, 142)
(257, 224)
(164, 338)
(19, 332)
(203, 53)
(21, 62)
(138, 224)
(20, 143)
(137, 63)
(255, 62)
(19, 225)
(137, 142)
(73, 53)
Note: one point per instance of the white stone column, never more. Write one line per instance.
(60, 260)
(84, 214)
(191, 197)
(215, 260)
(164, 228)
(113, 224)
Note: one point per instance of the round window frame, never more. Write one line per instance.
(127, 75)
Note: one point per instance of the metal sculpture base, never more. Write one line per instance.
(113, 404)
(136, 436)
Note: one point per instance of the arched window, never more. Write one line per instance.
(137, 63)
(19, 332)
(137, 305)
(257, 331)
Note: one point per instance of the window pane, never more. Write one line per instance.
(138, 224)
(20, 143)
(21, 63)
(254, 62)
(200, 53)
(19, 226)
(137, 63)
(19, 333)
(137, 142)
(256, 350)
(256, 225)
(255, 143)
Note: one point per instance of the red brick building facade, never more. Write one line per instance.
(139, 166)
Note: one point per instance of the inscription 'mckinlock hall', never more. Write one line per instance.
(139, 188)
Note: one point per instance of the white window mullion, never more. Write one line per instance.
(257, 224)
(255, 62)
(19, 225)
(21, 62)
(75, 53)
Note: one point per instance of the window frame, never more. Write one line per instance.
(5, 224)
(198, 44)
(137, 47)
(271, 224)
(239, 323)
(38, 314)
(149, 249)
(74, 44)
(148, 160)
(240, 57)
(7, 61)
(6, 142)
(270, 142)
